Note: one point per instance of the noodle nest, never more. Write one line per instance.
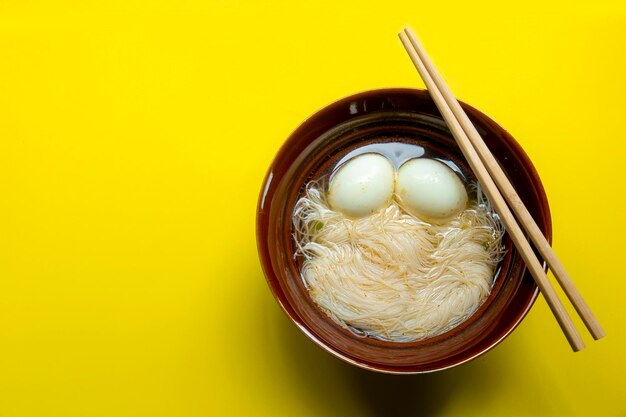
(391, 275)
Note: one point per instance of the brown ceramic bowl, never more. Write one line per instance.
(318, 144)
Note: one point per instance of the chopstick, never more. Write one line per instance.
(516, 204)
(493, 193)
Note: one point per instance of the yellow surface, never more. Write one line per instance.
(134, 137)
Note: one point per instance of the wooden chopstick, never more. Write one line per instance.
(525, 218)
(492, 192)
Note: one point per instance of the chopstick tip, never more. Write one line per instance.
(405, 40)
(598, 334)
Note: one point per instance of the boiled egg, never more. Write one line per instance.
(430, 190)
(362, 186)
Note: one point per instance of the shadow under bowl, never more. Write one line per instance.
(319, 143)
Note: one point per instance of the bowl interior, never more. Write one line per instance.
(318, 144)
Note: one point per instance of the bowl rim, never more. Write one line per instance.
(265, 256)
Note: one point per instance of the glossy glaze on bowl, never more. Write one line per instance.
(316, 146)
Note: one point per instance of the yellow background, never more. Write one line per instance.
(134, 137)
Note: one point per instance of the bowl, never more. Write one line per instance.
(322, 140)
